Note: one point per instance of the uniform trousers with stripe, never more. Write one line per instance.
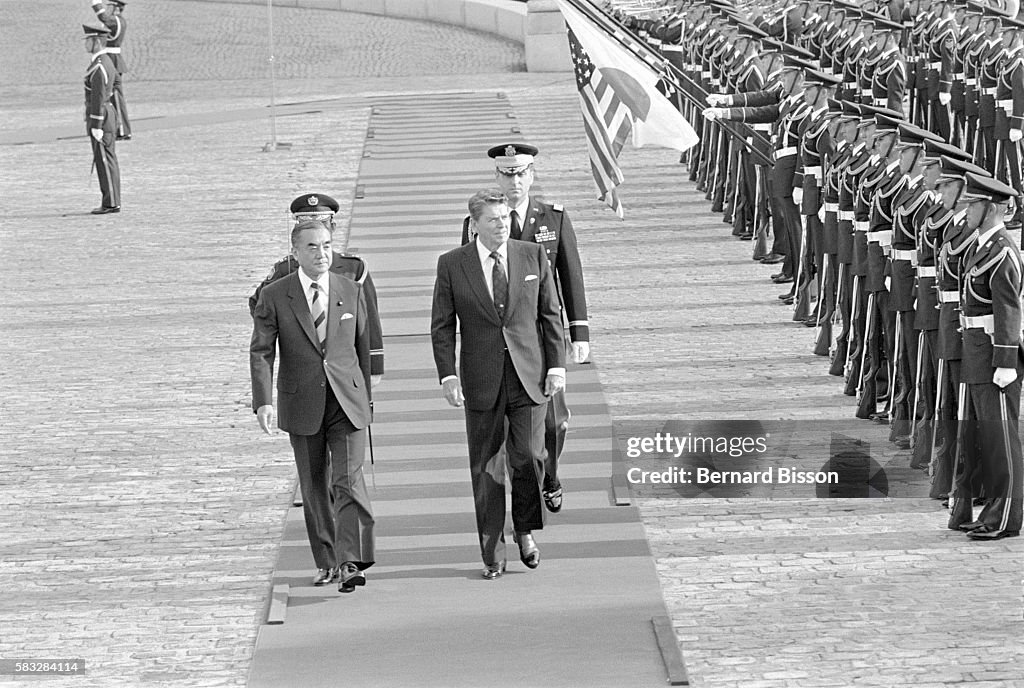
(526, 454)
(990, 465)
(105, 159)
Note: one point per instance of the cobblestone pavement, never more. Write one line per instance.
(143, 508)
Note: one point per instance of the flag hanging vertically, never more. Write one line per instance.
(621, 97)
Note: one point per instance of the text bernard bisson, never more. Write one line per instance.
(734, 447)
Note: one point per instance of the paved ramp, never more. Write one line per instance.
(426, 618)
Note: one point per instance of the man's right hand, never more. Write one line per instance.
(944, 98)
(97, 134)
(453, 392)
(265, 415)
(715, 99)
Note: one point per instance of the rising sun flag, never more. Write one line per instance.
(621, 98)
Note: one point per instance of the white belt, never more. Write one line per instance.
(814, 170)
(705, 75)
(861, 225)
(978, 322)
(879, 102)
(761, 127)
(991, 91)
(849, 84)
(882, 237)
(866, 92)
(935, 65)
(911, 255)
(946, 296)
(716, 82)
(970, 81)
(831, 207)
(1006, 104)
(845, 214)
(960, 75)
(673, 48)
(926, 271)
(114, 51)
(785, 152)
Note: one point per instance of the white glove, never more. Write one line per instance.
(944, 98)
(375, 380)
(821, 214)
(1016, 135)
(580, 351)
(97, 134)
(716, 99)
(711, 114)
(1003, 376)
(798, 195)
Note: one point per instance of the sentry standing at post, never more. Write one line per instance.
(110, 16)
(101, 120)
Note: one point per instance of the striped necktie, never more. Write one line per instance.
(499, 284)
(319, 314)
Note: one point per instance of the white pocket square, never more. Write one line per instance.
(346, 316)
(530, 277)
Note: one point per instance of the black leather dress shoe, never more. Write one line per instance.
(773, 258)
(528, 552)
(968, 527)
(492, 571)
(104, 210)
(553, 499)
(787, 299)
(985, 533)
(323, 576)
(784, 279)
(349, 577)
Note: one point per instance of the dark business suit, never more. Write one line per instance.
(503, 364)
(324, 406)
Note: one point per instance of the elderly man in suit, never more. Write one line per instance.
(317, 319)
(512, 361)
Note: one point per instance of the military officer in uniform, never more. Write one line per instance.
(101, 119)
(549, 225)
(993, 359)
(111, 17)
(321, 207)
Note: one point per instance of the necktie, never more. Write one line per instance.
(517, 231)
(499, 284)
(319, 314)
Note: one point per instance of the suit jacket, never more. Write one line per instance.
(531, 329)
(282, 321)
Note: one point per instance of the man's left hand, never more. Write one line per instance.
(1016, 135)
(580, 352)
(375, 380)
(553, 384)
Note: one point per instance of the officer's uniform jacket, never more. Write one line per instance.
(99, 86)
(990, 293)
(815, 145)
(850, 53)
(958, 88)
(933, 223)
(1010, 95)
(972, 75)
(879, 236)
(988, 80)
(355, 269)
(832, 167)
(864, 175)
(889, 80)
(841, 170)
(955, 243)
(907, 212)
(941, 46)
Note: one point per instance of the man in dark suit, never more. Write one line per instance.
(512, 361)
(547, 224)
(317, 319)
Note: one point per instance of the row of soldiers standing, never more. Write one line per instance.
(882, 149)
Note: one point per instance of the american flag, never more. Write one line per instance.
(606, 121)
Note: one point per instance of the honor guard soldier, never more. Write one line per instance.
(321, 208)
(929, 223)
(941, 58)
(111, 17)
(993, 358)
(889, 68)
(974, 43)
(101, 119)
(547, 224)
(988, 78)
(921, 172)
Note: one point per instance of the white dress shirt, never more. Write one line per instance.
(325, 290)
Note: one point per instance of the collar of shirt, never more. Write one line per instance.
(325, 287)
(521, 211)
(989, 233)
